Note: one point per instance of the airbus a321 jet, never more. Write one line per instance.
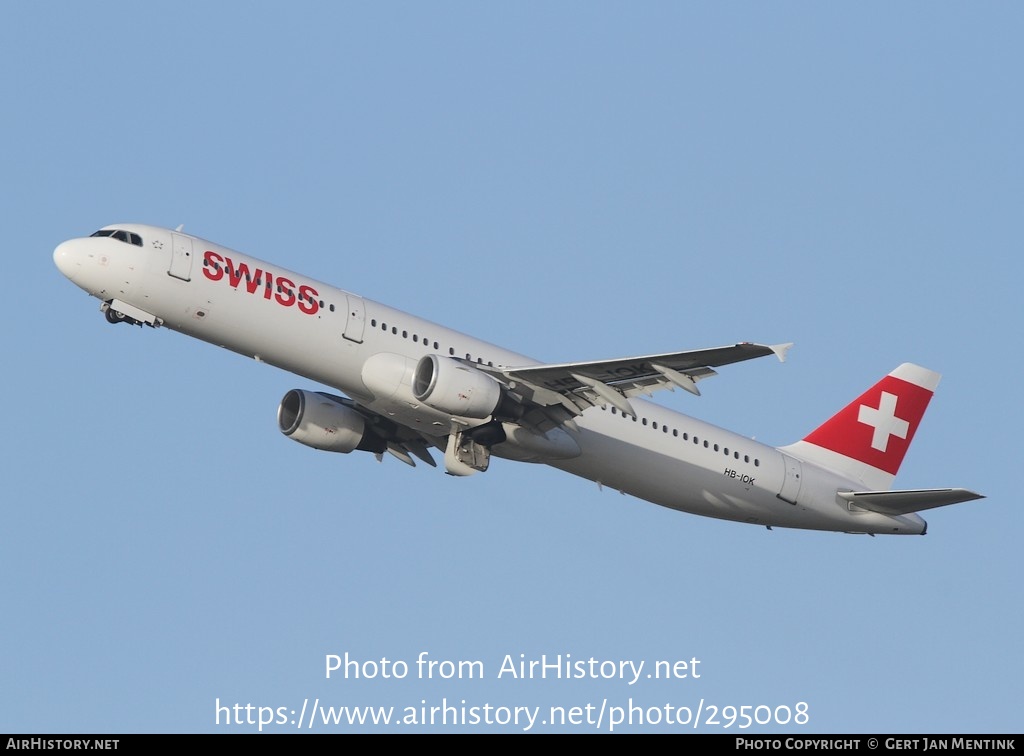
(410, 385)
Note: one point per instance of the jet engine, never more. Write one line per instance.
(319, 421)
(450, 386)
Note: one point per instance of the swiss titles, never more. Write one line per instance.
(261, 283)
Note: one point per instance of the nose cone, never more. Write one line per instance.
(64, 259)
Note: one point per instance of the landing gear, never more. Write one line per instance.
(114, 316)
(464, 456)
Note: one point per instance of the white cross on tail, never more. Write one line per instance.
(884, 421)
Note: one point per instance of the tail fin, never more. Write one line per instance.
(867, 440)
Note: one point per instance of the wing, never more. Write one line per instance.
(575, 386)
(400, 441)
(546, 396)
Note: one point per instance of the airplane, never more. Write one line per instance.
(408, 385)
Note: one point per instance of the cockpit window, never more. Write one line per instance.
(126, 236)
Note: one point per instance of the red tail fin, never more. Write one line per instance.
(870, 436)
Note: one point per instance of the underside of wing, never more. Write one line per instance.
(398, 440)
(575, 386)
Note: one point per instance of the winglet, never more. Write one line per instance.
(781, 350)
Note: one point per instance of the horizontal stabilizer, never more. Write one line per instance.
(905, 502)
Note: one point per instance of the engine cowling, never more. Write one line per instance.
(318, 421)
(450, 386)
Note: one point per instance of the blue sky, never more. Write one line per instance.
(570, 180)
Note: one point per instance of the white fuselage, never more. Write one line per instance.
(339, 339)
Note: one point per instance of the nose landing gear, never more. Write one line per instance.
(113, 316)
(116, 311)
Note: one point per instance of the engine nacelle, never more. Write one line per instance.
(317, 420)
(450, 386)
